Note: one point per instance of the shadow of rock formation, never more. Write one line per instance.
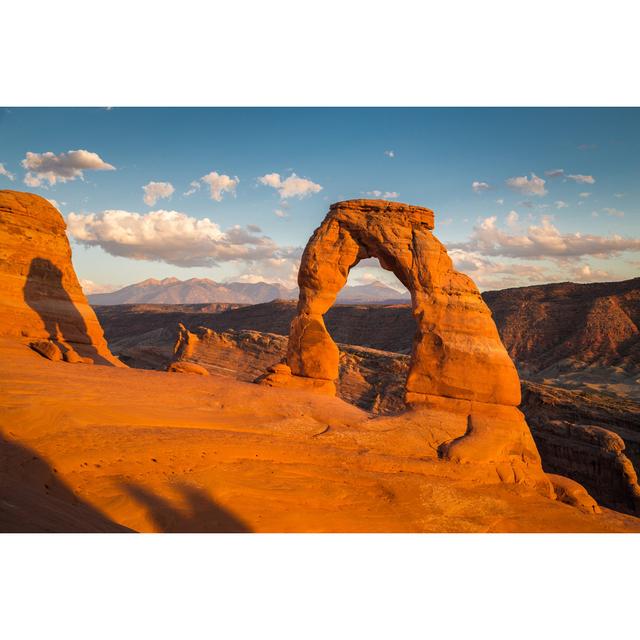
(203, 515)
(46, 295)
(33, 499)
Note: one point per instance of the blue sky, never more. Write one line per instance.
(521, 196)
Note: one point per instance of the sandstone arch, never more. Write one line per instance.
(457, 352)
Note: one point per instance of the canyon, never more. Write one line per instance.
(92, 444)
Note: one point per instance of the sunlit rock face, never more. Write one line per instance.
(457, 352)
(40, 296)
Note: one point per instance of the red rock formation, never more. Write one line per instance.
(457, 352)
(458, 364)
(40, 296)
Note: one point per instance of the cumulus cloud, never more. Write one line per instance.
(281, 213)
(584, 273)
(390, 154)
(512, 218)
(500, 201)
(610, 211)
(194, 185)
(290, 187)
(560, 204)
(533, 186)
(5, 172)
(154, 191)
(492, 274)
(543, 241)
(580, 179)
(169, 236)
(278, 270)
(584, 194)
(479, 187)
(385, 195)
(219, 184)
(63, 167)
(554, 173)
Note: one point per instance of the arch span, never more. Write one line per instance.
(457, 352)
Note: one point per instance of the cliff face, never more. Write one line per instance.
(595, 324)
(40, 296)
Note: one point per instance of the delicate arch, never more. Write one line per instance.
(457, 352)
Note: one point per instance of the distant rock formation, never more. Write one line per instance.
(458, 363)
(580, 333)
(40, 297)
(372, 380)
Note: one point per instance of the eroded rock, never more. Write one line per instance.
(40, 296)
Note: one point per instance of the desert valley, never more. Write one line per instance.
(243, 415)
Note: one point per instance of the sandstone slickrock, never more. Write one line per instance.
(572, 493)
(47, 348)
(458, 361)
(40, 296)
(457, 351)
(187, 367)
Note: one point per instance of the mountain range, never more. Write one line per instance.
(204, 290)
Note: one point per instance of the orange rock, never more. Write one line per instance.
(47, 348)
(457, 359)
(573, 493)
(40, 296)
(187, 367)
(457, 351)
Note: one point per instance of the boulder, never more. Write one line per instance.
(47, 348)
(187, 367)
(40, 296)
(574, 494)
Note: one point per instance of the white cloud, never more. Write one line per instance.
(290, 187)
(479, 187)
(154, 191)
(560, 204)
(278, 270)
(89, 287)
(584, 273)
(219, 184)
(63, 167)
(169, 236)
(5, 172)
(53, 202)
(512, 218)
(280, 213)
(584, 194)
(194, 186)
(385, 195)
(390, 154)
(533, 186)
(554, 173)
(579, 178)
(490, 274)
(543, 241)
(500, 201)
(614, 212)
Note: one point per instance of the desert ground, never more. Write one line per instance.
(98, 448)
(90, 444)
